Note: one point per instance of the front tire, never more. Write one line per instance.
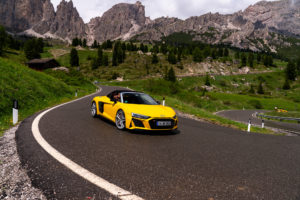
(120, 120)
(94, 110)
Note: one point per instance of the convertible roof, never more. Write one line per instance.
(120, 91)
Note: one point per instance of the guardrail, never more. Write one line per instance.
(279, 118)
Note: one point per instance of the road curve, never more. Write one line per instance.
(245, 115)
(201, 161)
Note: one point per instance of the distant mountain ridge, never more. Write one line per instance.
(259, 27)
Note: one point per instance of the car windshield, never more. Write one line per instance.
(138, 98)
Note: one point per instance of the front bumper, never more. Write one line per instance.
(151, 124)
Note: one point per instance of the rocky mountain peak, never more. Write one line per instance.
(67, 23)
(121, 21)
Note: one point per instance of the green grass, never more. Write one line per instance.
(229, 92)
(34, 91)
(292, 114)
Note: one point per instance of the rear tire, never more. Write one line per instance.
(94, 110)
(120, 120)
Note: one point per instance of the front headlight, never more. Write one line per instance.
(139, 116)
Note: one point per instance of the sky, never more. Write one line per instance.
(157, 8)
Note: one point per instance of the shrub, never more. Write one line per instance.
(74, 59)
(260, 89)
(256, 104)
(286, 85)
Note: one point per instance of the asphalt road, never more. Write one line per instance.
(244, 115)
(200, 161)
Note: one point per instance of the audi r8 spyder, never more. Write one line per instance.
(134, 110)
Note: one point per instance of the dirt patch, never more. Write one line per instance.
(58, 52)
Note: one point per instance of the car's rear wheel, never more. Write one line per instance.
(120, 120)
(94, 110)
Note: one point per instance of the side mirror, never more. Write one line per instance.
(158, 102)
(106, 100)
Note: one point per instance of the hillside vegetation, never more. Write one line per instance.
(34, 90)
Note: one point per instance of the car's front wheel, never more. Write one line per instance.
(120, 120)
(94, 110)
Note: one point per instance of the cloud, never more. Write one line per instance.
(157, 8)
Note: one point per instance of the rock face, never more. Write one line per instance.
(121, 21)
(19, 15)
(67, 23)
(256, 28)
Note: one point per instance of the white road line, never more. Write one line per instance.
(77, 169)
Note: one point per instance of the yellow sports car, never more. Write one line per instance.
(134, 110)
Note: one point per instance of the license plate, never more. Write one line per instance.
(163, 123)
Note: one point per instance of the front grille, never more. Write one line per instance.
(138, 123)
(153, 124)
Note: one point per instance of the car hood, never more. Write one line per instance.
(150, 110)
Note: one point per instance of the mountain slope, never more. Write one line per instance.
(259, 27)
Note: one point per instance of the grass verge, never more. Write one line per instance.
(34, 90)
(190, 108)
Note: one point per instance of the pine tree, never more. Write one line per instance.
(79, 42)
(207, 51)
(258, 58)
(226, 52)
(3, 37)
(197, 55)
(172, 57)
(118, 54)
(164, 49)
(237, 55)
(286, 85)
(74, 59)
(171, 75)
(109, 44)
(142, 47)
(298, 66)
(115, 56)
(155, 58)
(32, 49)
(251, 60)
(207, 80)
(95, 44)
(243, 60)
(100, 57)
(220, 52)
(75, 42)
(266, 61)
(84, 43)
(105, 60)
(94, 64)
(270, 61)
(214, 54)
(40, 45)
(260, 89)
(291, 72)
(252, 91)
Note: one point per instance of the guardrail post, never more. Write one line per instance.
(249, 126)
(263, 124)
(15, 112)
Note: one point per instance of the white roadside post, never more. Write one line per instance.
(15, 112)
(76, 93)
(249, 126)
(164, 101)
(263, 124)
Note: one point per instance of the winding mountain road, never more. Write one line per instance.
(245, 115)
(200, 161)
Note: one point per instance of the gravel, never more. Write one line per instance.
(14, 182)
